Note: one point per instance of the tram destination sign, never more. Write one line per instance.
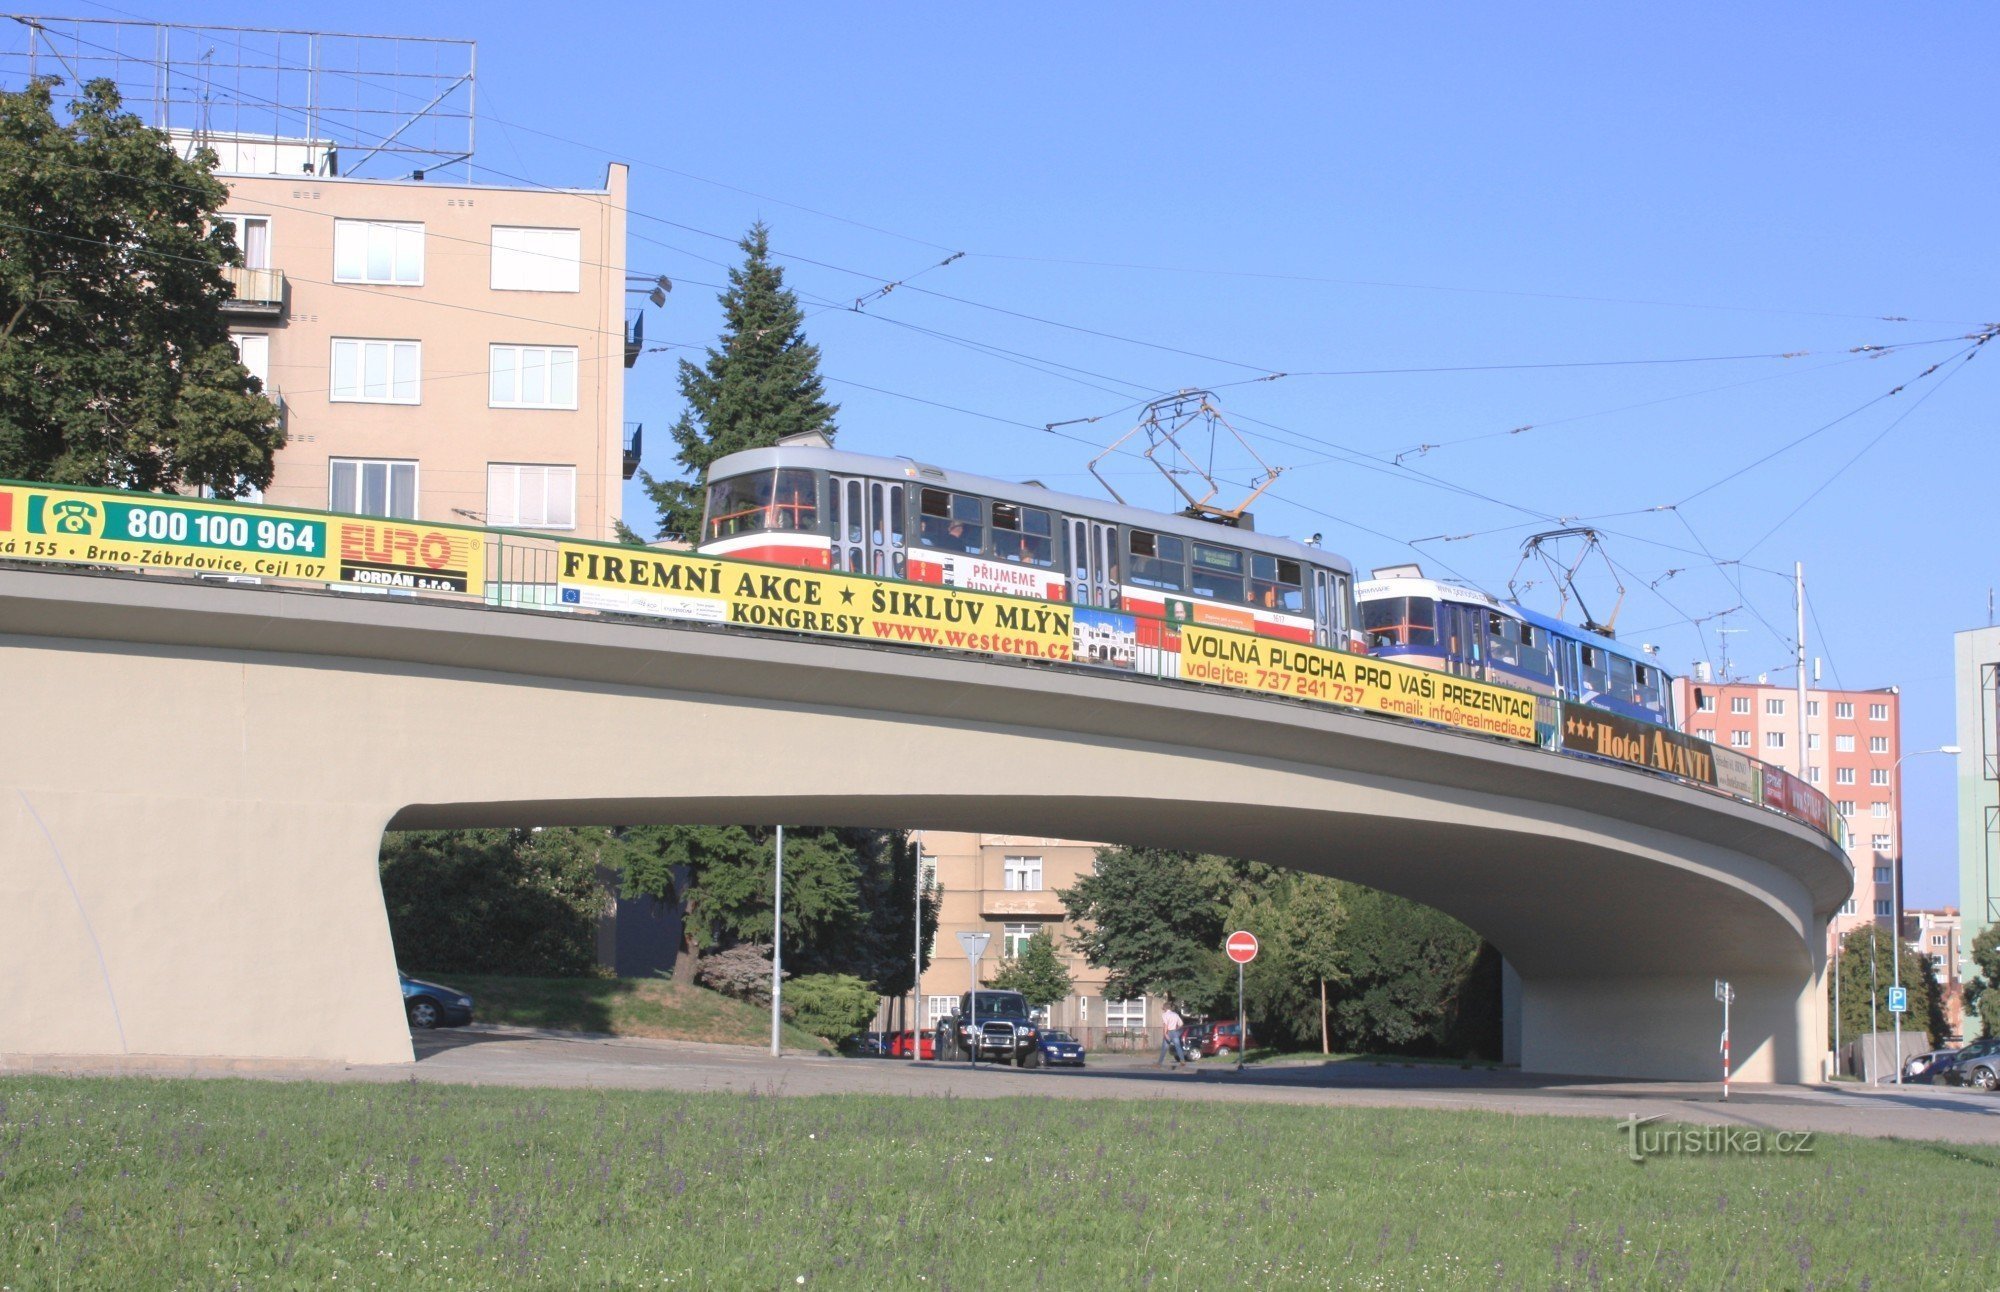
(1610, 735)
(202, 536)
(1353, 681)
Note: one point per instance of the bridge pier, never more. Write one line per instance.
(1666, 1027)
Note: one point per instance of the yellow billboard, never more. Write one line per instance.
(1355, 682)
(166, 532)
(676, 585)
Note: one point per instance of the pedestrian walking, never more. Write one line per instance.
(1170, 1037)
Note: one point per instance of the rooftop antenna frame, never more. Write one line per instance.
(1163, 422)
(1564, 575)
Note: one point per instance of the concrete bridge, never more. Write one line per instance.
(196, 777)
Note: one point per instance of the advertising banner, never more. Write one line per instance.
(1736, 774)
(1609, 735)
(1354, 681)
(680, 585)
(164, 532)
(1806, 803)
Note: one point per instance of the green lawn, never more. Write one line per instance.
(624, 1007)
(153, 1184)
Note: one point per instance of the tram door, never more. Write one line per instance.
(868, 523)
(1093, 562)
(1326, 616)
(1462, 633)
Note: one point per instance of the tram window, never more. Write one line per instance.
(1217, 572)
(1502, 641)
(949, 520)
(1596, 673)
(876, 494)
(1648, 688)
(1400, 621)
(782, 499)
(1025, 535)
(1276, 584)
(1534, 656)
(896, 515)
(1158, 560)
(854, 517)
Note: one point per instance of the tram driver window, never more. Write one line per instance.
(949, 521)
(784, 499)
(1158, 560)
(1217, 573)
(1277, 585)
(1400, 621)
(1024, 535)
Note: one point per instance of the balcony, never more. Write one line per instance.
(634, 432)
(994, 903)
(255, 291)
(635, 337)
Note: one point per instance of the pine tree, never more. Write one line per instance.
(760, 386)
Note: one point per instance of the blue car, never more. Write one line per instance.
(431, 1004)
(1060, 1049)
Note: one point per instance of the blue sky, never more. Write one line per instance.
(1322, 189)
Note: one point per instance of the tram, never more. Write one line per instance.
(803, 502)
(1461, 630)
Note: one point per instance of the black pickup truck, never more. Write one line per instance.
(1000, 1031)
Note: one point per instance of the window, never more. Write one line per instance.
(1939, 939)
(1704, 702)
(1775, 707)
(1739, 704)
(1739, 740)
(1812, 740)
(1704, 733)
(1400, 621)
(1014, 938)
(1125, 1015)
(938, 1008)
(1847, 907)
(1878, 744)
(1937, 965)
(1845, 807)
(1843, 744)
(1843, 709)
(1878, 776)
(950, 521)
(1843, 776)
(1217, 573)
(253, 351)
(1878, 808)
(253, 238)
(1023, 874)
(364, 487)
(1882, 906)
(1277, 584)
(531, 376)
(754, 504)
(1812, 708)
(1025, 535)
(527, 496)
(1812, 775)
(1883, 875)
(1158, 560)
(1881, 843)
(1878, 713)
(537, 260)
(371, 251)
(375, 372)
(1774, 740)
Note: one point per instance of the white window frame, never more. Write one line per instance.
(1884, 875)
(1774, 740)
(416, 485)
(1739, 704)
(1882, 843)
(499, 473)
(239, 222)
(1774, 706)
(518, 365)
(1843, 776)
(1878, 744)
(1812, 708)
(938, 1008)
(544, 266)
(259, 341)
(333, 388)
(1844, 807)
(1878, 776)
(1014, 938)
(1739, 740)
(1843, 744)
(1705, 733)
(1843, 708)
(1125, 1015)
(1882, 906)
(1879, 809)
(1878, 713)
(1018, 870)
(1705, 702)
(405, 239)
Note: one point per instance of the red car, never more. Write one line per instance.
(899, 1046)
(1223, 1038)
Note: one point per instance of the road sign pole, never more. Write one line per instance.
(1242, 1023)
(777, 939)
(1725, 993)
(975, 947)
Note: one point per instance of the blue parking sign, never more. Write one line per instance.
(1899, 1000)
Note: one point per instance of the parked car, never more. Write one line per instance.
(1195, 1035)
(1223, 1038)
(1977, 1064)
(432, 1004)
(1923, 1070)
(995, 1026)
(1060, 1049)
(899, 1046)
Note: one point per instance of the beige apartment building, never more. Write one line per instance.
(441, 351)
(1006, 886)
(1853, 740)
(1935, 935)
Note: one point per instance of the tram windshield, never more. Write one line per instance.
(781, 499)
(1277, 584)
(1400, 621)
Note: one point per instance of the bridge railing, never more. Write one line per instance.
(161, 535)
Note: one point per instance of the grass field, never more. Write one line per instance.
(153, 1184)
(624, 1007)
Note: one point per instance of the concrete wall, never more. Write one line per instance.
(200, 775)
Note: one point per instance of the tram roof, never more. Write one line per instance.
(842, 462)
(1562, 628)
(1368, 589)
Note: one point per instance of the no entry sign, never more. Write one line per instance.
(1242, 947)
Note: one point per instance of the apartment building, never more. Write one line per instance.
(1976, 687)
(441, 351)
(1852, 740)
(1934, 935)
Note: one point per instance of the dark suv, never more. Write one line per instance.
(1000, 1030)
(1977, 1064)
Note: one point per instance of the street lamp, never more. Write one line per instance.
(1896, 901)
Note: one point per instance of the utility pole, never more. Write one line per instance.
(917, 960)
(1799, 591)
(777, 941)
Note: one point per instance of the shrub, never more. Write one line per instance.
(833, 1005)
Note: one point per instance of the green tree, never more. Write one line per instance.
(496, 901)
(1417, 980)
(1037, 973)
(1314, 918)
(1154, 918)
(1982, 994)
(832, 1005)
(761, 385)
(1865, 969)
(115, 361)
